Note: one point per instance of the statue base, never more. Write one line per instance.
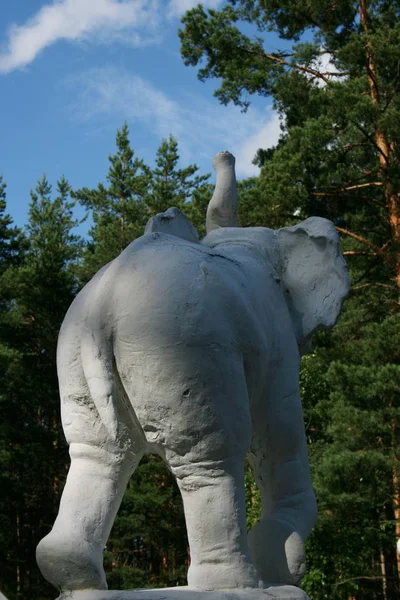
(273, 592)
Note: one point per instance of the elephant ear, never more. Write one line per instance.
(314, 276)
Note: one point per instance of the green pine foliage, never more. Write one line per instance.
(183, 188)
(117, 208)
(148, 544)
(12, 248)
(253, 499)
(12, 243)
(335, 84)
(38, 288)
(351, 401)
(171, 186)
(134, 193)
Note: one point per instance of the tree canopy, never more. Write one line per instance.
(335, 84)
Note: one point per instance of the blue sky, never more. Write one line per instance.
(72, 71)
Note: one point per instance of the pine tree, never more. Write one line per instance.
(171, 186)
(339, 153)
(39, 290)
(134, 194)
(148, 544)
(350, 396)
(196, 208)
(12, 248)
(11, 238)
(119, 210)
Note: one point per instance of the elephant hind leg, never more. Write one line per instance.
(210, 472)
(279, 462)
(213, 499)
(71, 555)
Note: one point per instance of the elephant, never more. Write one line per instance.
(191, 349)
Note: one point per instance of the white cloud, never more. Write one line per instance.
(266, 137)
(324, 64)
(201, 126)
(136, 22)
(77, 20)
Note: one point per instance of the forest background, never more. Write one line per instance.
(337, 91)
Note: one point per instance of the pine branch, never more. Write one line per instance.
(361, 185)
(338, 194)
(367, 173)
(297, 67)
(379, 251)
(281, 61)
(364, 285)
(371, 140)
(356, 253)
(368, 577)
(347, 147)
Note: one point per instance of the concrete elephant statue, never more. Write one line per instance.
(190, 350)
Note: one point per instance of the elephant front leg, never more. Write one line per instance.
(71, 555)
(279, 461)
(214, 503)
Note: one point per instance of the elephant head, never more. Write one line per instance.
(307, 257)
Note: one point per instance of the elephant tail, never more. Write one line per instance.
(97, 363)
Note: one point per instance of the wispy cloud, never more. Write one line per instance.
(115, 94)
(201, 126)
(266, 137)
(79, 20)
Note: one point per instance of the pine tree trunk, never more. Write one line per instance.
(56, 479)
(18, 566)
(173, 562)
(396, 502)
(383, 147)
(393, 208)
(384, 578)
